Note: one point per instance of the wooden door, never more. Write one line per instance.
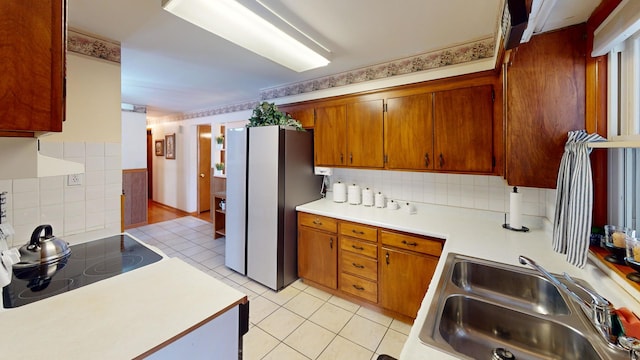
(409, 132)
(404, 280)
(318, 257)
(463, 129)
(134, 189)
(364, 134)
(150, 155)
(330, 136)
(204, 168)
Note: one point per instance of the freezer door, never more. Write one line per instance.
(236, 217)
(264, 208)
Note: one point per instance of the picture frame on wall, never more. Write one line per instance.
(159, 146)
(170, 145)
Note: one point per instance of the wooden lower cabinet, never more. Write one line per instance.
(318, 256)
(376, 267)
(404, 279)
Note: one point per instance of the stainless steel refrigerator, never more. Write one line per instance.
(269, 172)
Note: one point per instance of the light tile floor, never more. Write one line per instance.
(298, 322)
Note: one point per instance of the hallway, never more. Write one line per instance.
(158, 213)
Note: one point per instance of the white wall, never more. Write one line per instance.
(134, 140)
(91, 135)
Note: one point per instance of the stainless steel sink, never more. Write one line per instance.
(474, 327)
(519, 289)
(482, 305)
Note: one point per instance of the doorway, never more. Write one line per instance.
(204, 168)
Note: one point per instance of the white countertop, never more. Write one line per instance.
(475, 233)
(117, 318)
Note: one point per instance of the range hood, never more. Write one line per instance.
(20, 159)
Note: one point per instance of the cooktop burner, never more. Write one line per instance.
(89, 262)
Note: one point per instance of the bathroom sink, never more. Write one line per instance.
(519, 289)
(481, 306)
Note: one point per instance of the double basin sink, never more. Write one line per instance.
(484, 309)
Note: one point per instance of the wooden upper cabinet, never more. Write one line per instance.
(364, 134)
(545, 100)
(330, 136)
(463, 128)
(303, 113)
(409, 132)
(32, 49)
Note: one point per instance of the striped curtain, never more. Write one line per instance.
(574, 199)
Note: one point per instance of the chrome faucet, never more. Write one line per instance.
(600, 310)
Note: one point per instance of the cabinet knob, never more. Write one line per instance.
(441, 160)
(331, 243)
(426, 159)
(341, 158)
(202, 175)
(386, 257)
(351, 158)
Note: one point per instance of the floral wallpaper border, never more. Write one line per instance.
(464, 53)
(249, 105)
(90, 45)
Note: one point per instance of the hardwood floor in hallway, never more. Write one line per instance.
(158, 213)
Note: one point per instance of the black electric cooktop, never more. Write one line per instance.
(88, 263)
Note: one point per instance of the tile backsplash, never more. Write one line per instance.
(468, 191)
(94, 204)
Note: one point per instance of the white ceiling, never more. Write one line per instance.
(172, 66)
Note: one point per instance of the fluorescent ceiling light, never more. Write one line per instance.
(234, 22)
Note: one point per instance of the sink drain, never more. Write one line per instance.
(502, 354)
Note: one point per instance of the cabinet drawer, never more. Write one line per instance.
(359, 287)
(359, 231)
(359, 247)
(318, 222)
(413, 243)
(358, 265)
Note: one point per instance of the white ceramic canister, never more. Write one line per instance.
(379, 200)
(339, 192)
(392, 205)
(354, 194)
(367, 197)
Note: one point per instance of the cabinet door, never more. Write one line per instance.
(330, 136)
(404, 279)
(463, 129)
(545, 100)
(318, 257)
(304, 114)
(409, 132)
(32, 49)
(364, 134)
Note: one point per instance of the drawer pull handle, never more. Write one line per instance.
(358, 265)
(357, 247)
(358, 287)
(331, 242)
(409, 243)
(317, 222)
(357, 232)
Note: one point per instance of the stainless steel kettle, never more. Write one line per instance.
(42, 250)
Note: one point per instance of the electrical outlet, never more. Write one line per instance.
(74, 180)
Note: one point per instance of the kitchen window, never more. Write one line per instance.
(624, 125)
